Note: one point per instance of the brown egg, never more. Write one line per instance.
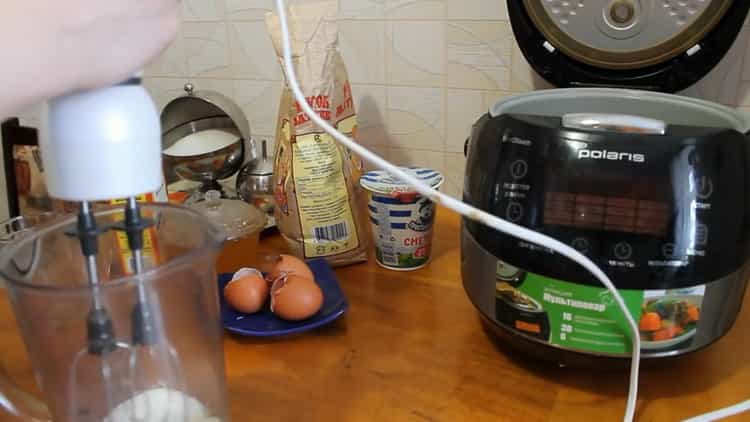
(288, 264)
(247, 292)
(294, 298)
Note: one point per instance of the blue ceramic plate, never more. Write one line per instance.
(266, 324)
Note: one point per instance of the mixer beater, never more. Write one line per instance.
(101, 342)
(152, 362)
(147, 336)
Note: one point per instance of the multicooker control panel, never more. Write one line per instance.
(646, 208)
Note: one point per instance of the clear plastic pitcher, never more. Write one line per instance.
(176, 374)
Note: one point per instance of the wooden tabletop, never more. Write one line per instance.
(412, 347)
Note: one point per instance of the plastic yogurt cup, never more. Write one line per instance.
(400, 218)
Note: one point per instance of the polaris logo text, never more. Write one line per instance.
(603, 154)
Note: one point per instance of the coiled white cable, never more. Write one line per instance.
(466, 210)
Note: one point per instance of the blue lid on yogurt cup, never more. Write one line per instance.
(381, 182)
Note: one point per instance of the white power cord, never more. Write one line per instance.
(466, 210)
(721, 413)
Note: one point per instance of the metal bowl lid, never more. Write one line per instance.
(197, 106)
(238, 218)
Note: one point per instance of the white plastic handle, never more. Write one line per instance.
(623, 123)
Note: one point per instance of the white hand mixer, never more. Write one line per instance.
(94, 139)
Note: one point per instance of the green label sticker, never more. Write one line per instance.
(587, 318)
(584, 317)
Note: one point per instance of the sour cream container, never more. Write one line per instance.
(401, 219)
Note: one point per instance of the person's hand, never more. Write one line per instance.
(51, 47)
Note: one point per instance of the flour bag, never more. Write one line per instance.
(319, 203)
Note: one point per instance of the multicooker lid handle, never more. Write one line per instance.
(614, 123)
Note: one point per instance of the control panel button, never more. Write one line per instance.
(581, 244)
(701, 234)
(519, 169)
(623, 251)
(704, 187)
(514, 212)
(667, 250)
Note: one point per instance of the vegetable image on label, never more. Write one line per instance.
(669, 319)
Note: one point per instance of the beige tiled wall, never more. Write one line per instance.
(422, 70)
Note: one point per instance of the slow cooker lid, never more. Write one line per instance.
(663, 45)
(667, 108)
(621, 34)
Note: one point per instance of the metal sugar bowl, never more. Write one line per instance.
(205, 138)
